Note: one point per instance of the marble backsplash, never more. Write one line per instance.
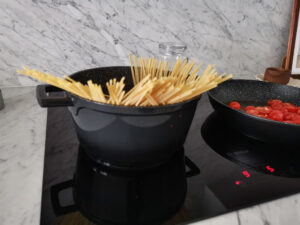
(63, 36)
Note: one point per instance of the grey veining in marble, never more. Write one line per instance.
(64, 36)
(22, 139)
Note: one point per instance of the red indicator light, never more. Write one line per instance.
(237, 183)
(270, 169)
(171, 125)
(246, 174)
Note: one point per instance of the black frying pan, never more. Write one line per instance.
(257, 93)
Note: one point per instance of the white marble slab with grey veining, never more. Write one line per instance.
(22, 142)
(63, 36)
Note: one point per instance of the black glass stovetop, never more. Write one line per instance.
(236, 171)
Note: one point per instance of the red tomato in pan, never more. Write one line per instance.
(277, 106)
(253, 112)
(275, 110)
(289, 116)
(263, 116)
(284, 110)
(264, 110)
(292, 121)
(235, 105)
(249, 107)
(290, 107)
(271, 102)
(276, 115)
(296, 116)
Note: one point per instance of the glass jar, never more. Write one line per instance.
(172, 51)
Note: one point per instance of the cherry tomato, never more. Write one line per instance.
(253, 112)
(249, 107)
(271, 102)
(293, 121)
(290, 107)
(289, 116)
(296, 121)
(276, 115)
(235, 105)
(276, 110)
(296, 116)
(283, 110)
(263, 116)
(277, 106)
(264, 110)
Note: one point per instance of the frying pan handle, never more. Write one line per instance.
(194, 170)
(45, 100)
(57, 207)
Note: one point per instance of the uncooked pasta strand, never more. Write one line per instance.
(153, 83)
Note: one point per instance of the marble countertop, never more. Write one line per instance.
(22, 131)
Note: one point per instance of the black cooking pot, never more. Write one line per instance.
(123, 135)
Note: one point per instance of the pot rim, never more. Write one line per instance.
(121, 109)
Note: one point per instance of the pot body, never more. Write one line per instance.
(124, 135)
(107, 196)
(143, 140)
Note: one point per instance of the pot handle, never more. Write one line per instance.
(57, 207)
(45, 100)
(194, 170)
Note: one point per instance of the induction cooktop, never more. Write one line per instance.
(236, 171)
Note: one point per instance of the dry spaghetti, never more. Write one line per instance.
(154, 83)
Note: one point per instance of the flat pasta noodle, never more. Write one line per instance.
(153, 83)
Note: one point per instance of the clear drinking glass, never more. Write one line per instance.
(172, 51)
